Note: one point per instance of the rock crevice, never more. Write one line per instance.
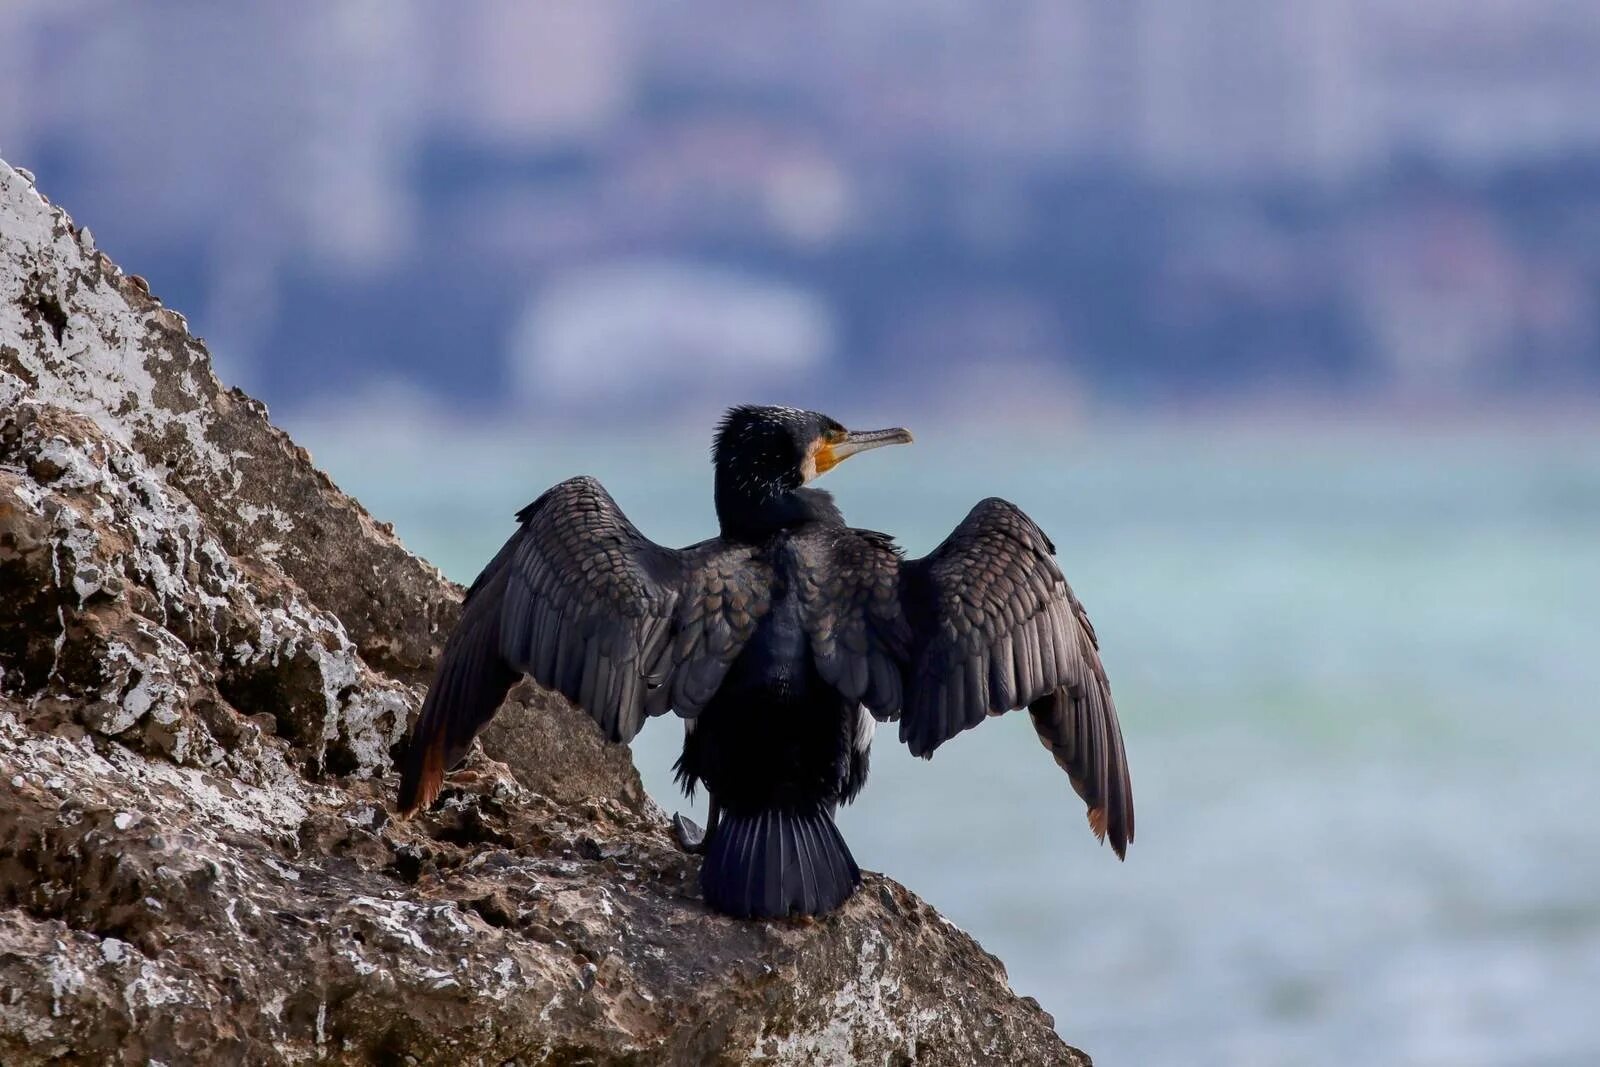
(208, 659)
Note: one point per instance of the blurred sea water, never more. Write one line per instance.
(1359, 677)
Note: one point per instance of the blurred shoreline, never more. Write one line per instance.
(1063, 205)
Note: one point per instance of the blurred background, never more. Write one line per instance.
(1282, 317)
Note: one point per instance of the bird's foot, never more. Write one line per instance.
(471, 777)
(689, 834)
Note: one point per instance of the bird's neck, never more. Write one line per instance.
(753, 511)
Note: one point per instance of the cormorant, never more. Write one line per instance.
(780, 643)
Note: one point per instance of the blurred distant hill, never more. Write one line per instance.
(605, 203)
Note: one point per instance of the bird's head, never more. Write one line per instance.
(764, 453)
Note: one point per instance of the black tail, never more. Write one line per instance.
(783, 861)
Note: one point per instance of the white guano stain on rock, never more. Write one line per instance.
(65, 979)
(161, 542)
(867, 1006)
(106, 341)
(168, 791)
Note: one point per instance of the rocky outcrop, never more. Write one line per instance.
(208, 659)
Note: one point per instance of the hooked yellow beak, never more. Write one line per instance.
(827, 454)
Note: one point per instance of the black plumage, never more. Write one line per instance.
(780, 642)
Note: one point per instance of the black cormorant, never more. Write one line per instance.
(779, 642)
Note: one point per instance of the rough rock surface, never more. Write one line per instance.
(208, 658)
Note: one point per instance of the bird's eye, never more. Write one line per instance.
(834, 435)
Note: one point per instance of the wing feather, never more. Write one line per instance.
(996, 627)
(588, 606)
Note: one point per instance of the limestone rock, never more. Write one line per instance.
(208, 659)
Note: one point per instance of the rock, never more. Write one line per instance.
(208, 659)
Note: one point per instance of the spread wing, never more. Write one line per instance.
(996, 627)
(587, 605)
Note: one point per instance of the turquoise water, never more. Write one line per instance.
(1358, 675)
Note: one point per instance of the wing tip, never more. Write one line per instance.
(421, 788)
(1120, 836)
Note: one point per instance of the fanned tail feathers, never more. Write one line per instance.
(777, 862)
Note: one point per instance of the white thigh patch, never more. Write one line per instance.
(866, 726)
